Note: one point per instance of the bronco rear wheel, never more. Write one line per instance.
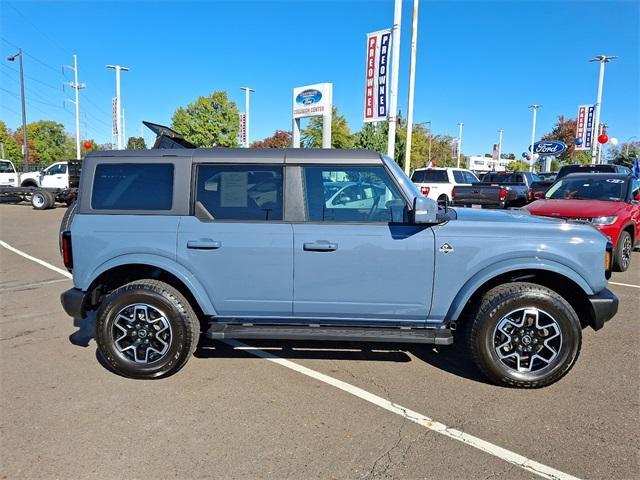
(524, 335)
(146, 329)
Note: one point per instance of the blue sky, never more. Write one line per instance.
(480, 62)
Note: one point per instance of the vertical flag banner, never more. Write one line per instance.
(114, 116)
(494, 153)
(454, 148)
(584, 127)
(242, 131)
(376, 91)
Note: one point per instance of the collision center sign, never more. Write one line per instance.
(312, 100)
(375, 93)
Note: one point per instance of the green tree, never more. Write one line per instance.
(624, 154)
(11, 149)
(280, 139)
(518, 165)
(50, 142)
(372, 136)
(136, 143)
(340, 134)
(210, 121)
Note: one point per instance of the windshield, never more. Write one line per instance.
(607, 188)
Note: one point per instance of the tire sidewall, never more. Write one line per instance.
(569, 327)
(43, 197)
(106, 316)
(618, 260)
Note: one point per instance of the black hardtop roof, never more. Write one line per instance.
(598, 175)
(252, 155)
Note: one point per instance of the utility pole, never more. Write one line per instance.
(395, 68)
(499, 145)
(595, 146)
(247, 92)
(119, 135)
(76, 86)
(460, 142)
(412, 81)
(535, 108)
(25, 152)
(124, 131)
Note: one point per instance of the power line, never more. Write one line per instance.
(10, 109)
(33, 57)
(26, 19)
(32, 78)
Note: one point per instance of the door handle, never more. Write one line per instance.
(320, 246)
(204, 244)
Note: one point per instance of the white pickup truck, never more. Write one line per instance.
(437, 183)
(55, 175)
(8, 175)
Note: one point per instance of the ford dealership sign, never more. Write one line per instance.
(549, 147)
(312, 100)
(307, 97)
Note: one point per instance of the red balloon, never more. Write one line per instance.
(528, 157)
(88, 145)
(603, 138)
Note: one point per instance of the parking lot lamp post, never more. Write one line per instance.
(247, 92)
(25, 152)
(459, 142)
(395, 69)
(120, 135)
(499, 144)
(535, 108)
(596, 147)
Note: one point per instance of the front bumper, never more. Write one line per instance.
(604, 305)
(73, 302)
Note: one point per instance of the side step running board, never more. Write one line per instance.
(219, 331)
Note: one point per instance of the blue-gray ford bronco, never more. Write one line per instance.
(320, 245)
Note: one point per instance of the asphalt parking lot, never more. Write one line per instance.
(232, 414)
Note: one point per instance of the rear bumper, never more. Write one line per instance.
(73, 302)
(604, 305)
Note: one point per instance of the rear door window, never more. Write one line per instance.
(132, 186)
(458, 176)
(241, 192)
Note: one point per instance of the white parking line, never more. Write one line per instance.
(625, 284)
(34, 259)
(487, 447)
(475, 442)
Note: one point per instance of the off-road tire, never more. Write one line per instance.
(185, 328)
(494, 306)
(624, 242)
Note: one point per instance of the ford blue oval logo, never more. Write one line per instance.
(307, 97)
(549, 147)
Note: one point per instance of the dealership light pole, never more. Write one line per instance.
(25, 152)
(596, 148)
(119, 134)
(460, 142)
(247, 92)
(412, 81)
(76, 86)
(499, 144)
(395, 68)
(535, 108)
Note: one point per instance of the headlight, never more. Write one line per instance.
(604, 220)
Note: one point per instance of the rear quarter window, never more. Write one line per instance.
(132, 186)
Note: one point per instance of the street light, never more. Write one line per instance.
(535, 108)
(596, 148)
(459, 143)
(120, 133)
(25, 152)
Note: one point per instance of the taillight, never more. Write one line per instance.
(503, 194)
(530, 194)
(425, 190)
(453, 193)
(67, 253)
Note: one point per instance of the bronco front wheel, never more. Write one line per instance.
(146, 329)
(524, 335)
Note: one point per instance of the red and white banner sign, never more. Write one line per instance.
(114, 116)
(242, 131)
(377, 68)
(584, 127)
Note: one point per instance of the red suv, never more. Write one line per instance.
(610, 202)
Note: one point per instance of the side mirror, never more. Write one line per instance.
(424, 210)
